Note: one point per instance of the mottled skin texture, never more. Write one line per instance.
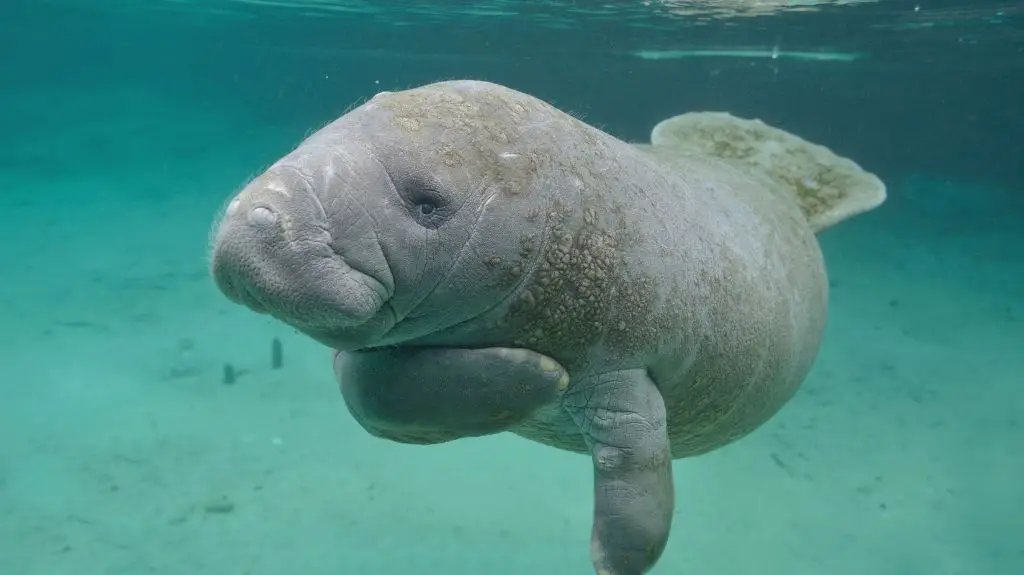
(683, 302)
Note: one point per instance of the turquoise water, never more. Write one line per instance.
(128, 126)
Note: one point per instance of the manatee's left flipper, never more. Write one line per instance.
(435, 394)
(622, 416)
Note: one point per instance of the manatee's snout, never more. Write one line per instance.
(272, 253)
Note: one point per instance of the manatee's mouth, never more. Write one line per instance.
(272, 254)
(304, 284)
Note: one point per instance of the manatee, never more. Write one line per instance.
(481, 262)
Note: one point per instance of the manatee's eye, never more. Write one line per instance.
(428, 207)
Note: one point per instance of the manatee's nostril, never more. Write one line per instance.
(262, 216)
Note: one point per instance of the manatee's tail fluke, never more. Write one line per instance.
(827, 187)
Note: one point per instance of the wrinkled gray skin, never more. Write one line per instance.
(470, 251)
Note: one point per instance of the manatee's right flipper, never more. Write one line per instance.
(430, 395)
(827, 187)
(622, 416)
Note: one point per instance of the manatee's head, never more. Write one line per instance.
(412, 214)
